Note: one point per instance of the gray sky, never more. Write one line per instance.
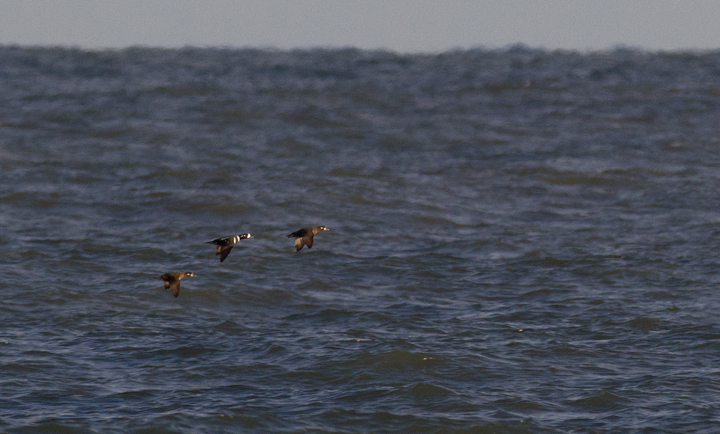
(398, 25)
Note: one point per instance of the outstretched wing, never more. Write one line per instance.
(299, 243)
(309, 241)
(223, 252)
(175, 288)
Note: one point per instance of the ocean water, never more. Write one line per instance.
(521, 241)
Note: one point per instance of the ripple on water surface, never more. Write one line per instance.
(520, 241)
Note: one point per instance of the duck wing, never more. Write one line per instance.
(299, 243)
(223, 252)
(175, 288)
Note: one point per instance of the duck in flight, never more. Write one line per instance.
(304, 236)
(225, 244)
(172, 280)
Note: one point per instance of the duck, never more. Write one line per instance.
(172, 280)
(225, 244)
(304, 236)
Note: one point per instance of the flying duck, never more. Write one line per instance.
(225, 244)
(172, 280)
(304, 236)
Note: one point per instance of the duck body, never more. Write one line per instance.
(225, 244)
(172, 280)
(304, 237)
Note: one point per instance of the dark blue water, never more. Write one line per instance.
(521, 241)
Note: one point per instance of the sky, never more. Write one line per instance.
(405, 26)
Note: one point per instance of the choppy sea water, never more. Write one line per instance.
(521, 241)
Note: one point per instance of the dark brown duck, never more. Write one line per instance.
(172, 280)
(304, 236)
(225, 244)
